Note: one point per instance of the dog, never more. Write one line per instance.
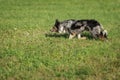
(76, 27)
(62, 27)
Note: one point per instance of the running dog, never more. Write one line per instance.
(76, 27)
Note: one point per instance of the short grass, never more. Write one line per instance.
(28, 51)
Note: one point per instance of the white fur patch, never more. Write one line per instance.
(79, 36)
(69, 24)
(105, 32)
(61, 29)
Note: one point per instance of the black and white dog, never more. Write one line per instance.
(76, 27)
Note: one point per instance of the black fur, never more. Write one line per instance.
(91, 23)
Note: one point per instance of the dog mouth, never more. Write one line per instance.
(54, 29)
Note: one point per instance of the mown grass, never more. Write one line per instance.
(28, 51)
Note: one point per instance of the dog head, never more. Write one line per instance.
(58, 27)
(55, 28)
(103, 34)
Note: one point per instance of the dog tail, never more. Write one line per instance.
(103, 32)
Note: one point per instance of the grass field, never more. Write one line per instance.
(28, 51)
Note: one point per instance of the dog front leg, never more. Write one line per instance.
(71, 36)
(79, 36)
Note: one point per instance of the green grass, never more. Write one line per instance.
(28, 51)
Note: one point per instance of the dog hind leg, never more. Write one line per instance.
(79, 36)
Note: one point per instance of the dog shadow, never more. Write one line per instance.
(55, 35)
(88, 36)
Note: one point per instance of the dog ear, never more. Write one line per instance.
(57, 22)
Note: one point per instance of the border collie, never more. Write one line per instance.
(76, 27)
